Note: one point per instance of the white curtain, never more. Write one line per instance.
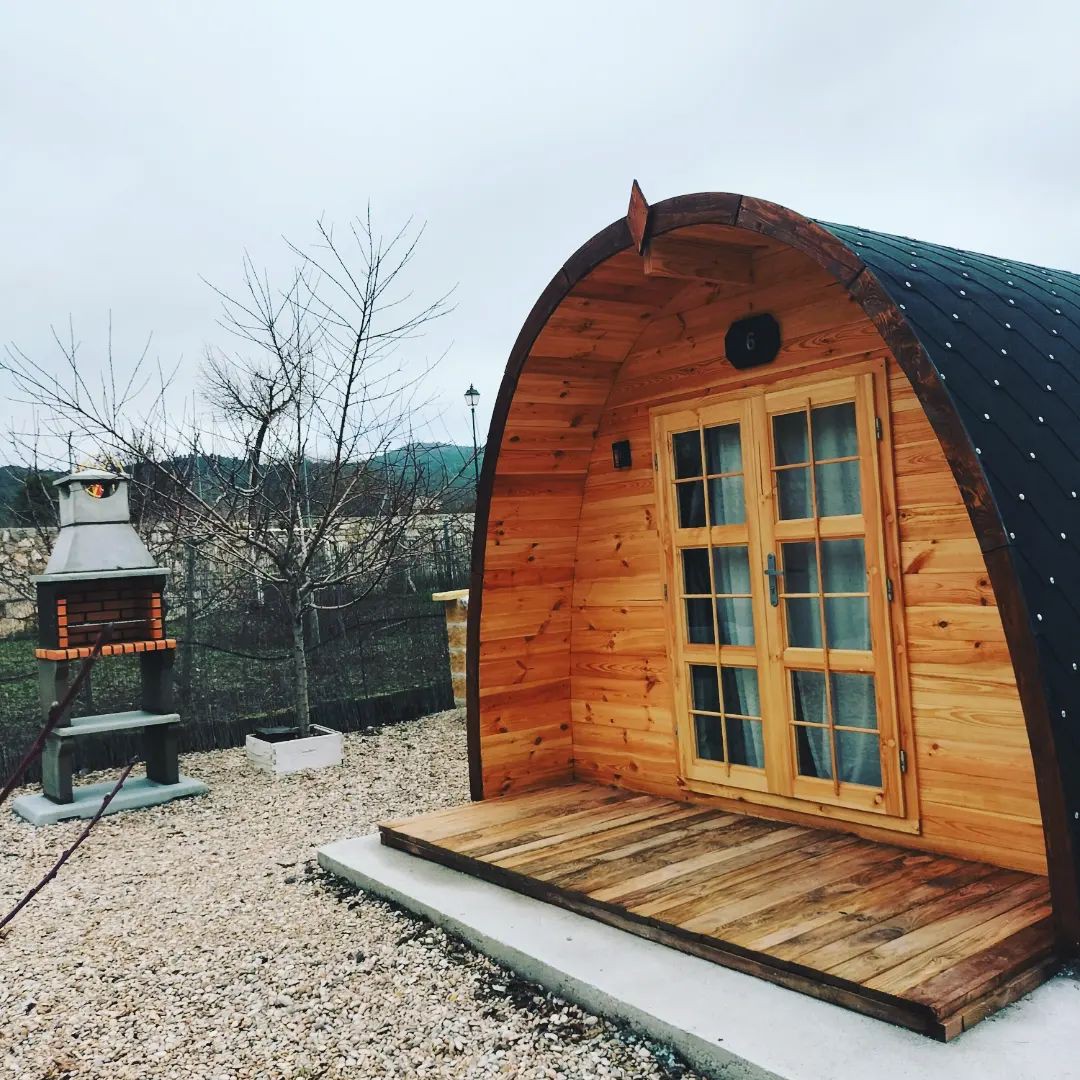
(853, 706)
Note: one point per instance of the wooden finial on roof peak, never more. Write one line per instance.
(637, 217)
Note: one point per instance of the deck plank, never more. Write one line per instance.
(566, 859)
(876, 903)
(932, 942)
(936, 924)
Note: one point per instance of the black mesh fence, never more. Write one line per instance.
(380, 659)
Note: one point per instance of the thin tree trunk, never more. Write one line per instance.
(301, 699)
(314, 633)
(188, 652)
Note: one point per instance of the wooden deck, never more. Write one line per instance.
(929, 942)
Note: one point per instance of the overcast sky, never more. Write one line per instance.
(145, 144)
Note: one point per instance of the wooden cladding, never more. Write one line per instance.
(575, 674)
(695, 259)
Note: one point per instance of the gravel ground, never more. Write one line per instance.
(200, 940)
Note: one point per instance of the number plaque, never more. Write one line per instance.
(753, 341)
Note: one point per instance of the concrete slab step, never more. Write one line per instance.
(725, 1023)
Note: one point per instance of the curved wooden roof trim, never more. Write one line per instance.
(849, 269)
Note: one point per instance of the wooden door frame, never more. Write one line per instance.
(908, 820)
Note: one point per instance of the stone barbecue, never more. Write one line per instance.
(102, 582)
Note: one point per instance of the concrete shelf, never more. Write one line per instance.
(133, 720)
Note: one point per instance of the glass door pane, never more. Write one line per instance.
(816, 462)
(727, 718)
(715, 579)
(836, 727)
(823, 594)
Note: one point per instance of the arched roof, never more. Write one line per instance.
(992, 349)
(1004, 337)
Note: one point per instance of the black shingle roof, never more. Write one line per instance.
(1005, 338)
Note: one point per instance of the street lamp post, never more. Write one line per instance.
(472, 396)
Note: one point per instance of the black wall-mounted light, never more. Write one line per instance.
(620, 454)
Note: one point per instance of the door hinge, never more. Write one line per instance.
(877, 427)
(889, 589)
(903, 761)
(655, 462)
(665, 592)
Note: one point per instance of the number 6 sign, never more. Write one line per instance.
(753, 341)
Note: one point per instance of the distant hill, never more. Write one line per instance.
(442, 466)
(24, 495)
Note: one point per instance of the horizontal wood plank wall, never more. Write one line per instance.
(524, 662)
(977, 789)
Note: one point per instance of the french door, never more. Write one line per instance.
(771, 506)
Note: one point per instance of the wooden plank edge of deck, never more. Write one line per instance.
(1012, 984)
(880, 1006)
(1014, 988)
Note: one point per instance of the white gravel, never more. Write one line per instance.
(199, 940)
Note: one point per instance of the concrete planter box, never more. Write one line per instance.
(321, 749)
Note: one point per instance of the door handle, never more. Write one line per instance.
(772, 573)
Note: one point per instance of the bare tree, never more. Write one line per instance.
(297, 470)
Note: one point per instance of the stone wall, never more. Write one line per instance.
(23, 552)
(456, 603)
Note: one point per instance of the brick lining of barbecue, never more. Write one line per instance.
(131, 614)
(120, 648)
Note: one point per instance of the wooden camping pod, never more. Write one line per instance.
(965, 362)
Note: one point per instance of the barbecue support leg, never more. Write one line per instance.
(161, 752)
(54, 678)
(156, 675)
(56, 770)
